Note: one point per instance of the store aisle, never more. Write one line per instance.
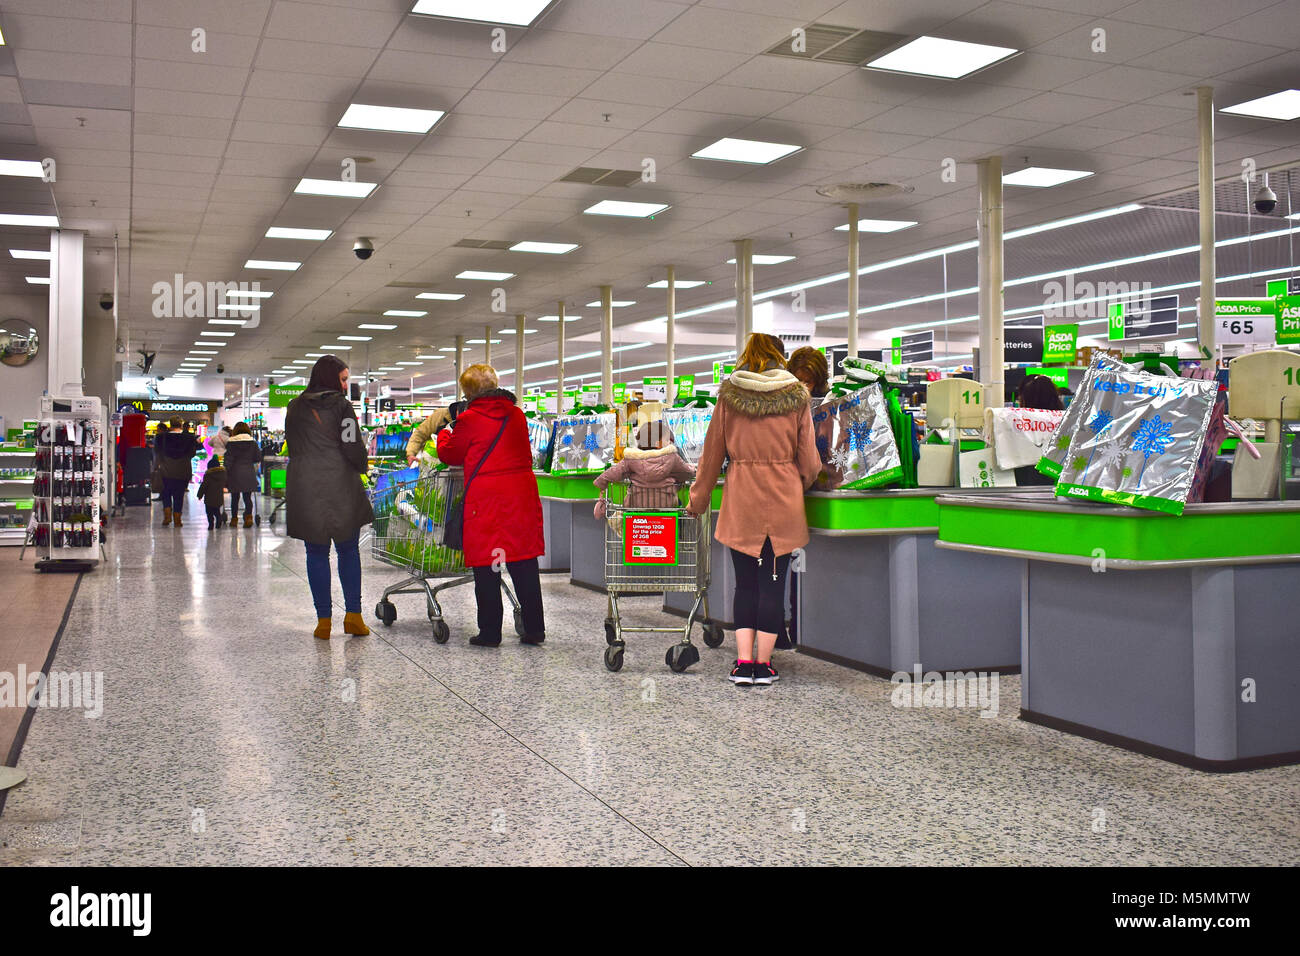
(229, 735)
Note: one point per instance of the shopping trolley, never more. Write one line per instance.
(273, 478)
(653, 550)
(410, 524)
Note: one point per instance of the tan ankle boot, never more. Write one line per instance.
(248, 520)
(354, 623)
(167, 517)
(176, 518)
(323, 625)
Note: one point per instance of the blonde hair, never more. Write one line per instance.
(762, 352)
(477, 379)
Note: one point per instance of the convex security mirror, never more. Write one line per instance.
(19, 342)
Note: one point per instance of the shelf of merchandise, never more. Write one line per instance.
(69, 483)
(16, 493)
(1170, 636)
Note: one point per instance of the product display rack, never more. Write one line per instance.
(66, 517)
(17, 471)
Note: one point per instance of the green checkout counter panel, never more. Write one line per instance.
(1170, 636)
(876, 594)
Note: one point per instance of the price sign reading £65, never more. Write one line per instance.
(1242, 321)
(649, 538)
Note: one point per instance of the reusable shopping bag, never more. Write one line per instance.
(856, 441)
(1141, 442)
(977, 469)
(689, 426)
(583, 444)
(540, 433)
(1054, 457)
(1020, 436)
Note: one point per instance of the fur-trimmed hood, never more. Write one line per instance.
(640, 453)
(758, 394)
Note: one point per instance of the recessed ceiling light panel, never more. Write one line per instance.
(284, 232)
(946, 59)
(514, 13)
(442, 296)
(389, 119)
(730, 150)
(334, 187)
(280, 265)
(547, 248)
(1275, 106)
(485, 276)
(1042, 176)
(631, 210)
(878, 225)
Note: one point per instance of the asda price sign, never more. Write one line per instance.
(1287, 322)
(1246, 321)
(1060, 343)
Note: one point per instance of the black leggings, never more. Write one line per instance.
(760, 589)
(528, 589)
(234, 502)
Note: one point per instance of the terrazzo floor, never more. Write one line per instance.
(230, 736)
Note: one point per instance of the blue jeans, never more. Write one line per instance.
(173, 493)
(318, 575)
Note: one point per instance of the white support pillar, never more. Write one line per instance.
(744, 292)
(559, 354)
(990, 280)
(671, 344)
(1205, 182)
(607, 345)
(519, 354)
(460, 364)
(487, 345)
(67, 273)
(853, 280)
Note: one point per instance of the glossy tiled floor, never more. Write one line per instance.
(229, 736)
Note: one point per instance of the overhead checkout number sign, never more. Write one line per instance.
(1155, 318)
(1027, 339)
(909, 349)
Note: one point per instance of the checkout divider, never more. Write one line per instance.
(1170, 636)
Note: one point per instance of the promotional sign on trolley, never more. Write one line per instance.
(649, 538)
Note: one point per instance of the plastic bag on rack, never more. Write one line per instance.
(541, 432)
(583, 444)
(1054, 456)
(1142, 441)
(856, 441)
(689, 426)
(1020, 436)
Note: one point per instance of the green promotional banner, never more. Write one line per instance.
(721, 370)
(281, 395)
(620, 393)
(686, 386)
(1060, 343)
(1288, 319)
(1060, 377)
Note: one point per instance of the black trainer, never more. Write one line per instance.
(742, 672)
(533, 639)
(765, 674)
(478, 640)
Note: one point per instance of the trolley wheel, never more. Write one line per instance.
(441, 631)
(519, 622)
(611, 635)
(681, 656)
(713, 634)
(614, 657)
(386, 611)
(258, 521)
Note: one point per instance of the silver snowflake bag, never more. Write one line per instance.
(1054, 457)
(856, 441)
(689, 426)
(1141, 441)
(583, 444)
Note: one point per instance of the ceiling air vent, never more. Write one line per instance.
(591, 176)
(483, 244)
(827, 43)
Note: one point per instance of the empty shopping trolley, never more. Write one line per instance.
(650, 551)
(409, 533)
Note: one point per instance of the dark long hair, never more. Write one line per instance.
(1039, 391)
(325, 374)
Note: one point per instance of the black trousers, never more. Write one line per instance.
(760, 589)
(528, 588)
(234, 503)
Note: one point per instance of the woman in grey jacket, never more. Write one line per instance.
(242, 457)
(323, 490)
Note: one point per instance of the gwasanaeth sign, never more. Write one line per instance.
(279, 396)
(1060, 343)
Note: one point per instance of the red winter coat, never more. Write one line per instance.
(503, 512)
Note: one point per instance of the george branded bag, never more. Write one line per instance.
(1020, 436)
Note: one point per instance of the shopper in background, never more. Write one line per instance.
(174, 451)
(425, 432)
(809, 366)
(212, 492)
(503, 512)
(323, 489)
(1037, 391)
(762, 424)
(243, 455)
(219, 442)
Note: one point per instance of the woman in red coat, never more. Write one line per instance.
(503, 512)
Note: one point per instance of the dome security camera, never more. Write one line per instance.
(363, 249)
(106, 302)
(1265, 200)
(220, 369)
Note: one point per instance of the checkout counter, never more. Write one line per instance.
(566, 513)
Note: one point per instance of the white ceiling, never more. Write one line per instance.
(190, 157)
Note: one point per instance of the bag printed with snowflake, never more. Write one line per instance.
(540, 433)
(1054, 454)
(689, 426)
(583, 444)
(856, 441)
(1140, 442)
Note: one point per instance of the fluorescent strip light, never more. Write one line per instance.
(431, 356)
(39, 280)
(211, 332)
(556, 318)
(485, 276)
(238, 307)
(755, 152)
(677, 284)
(1275, 106)
(404, 313)
(376, 327)
(617, 304)
(410, 363)
(281, 265)
(354, 338)
(22, 167)
(447, 348)
(226, 321)
(303, 362)
(878, 225)
(212, 343)
(13, 219)
(336, 348)
(442, 296)
(237, 294)
(389, 119)
(29, 254)
(765, 260)
(480, 341)
(197, 352)
(284, 232)
(512, 332)
(630, 210)
(315, 355)
(1043, 176)
(935, 56)
(515, 13)
(547, 248)
(334, 187)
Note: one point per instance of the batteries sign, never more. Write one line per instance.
(649, 538)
